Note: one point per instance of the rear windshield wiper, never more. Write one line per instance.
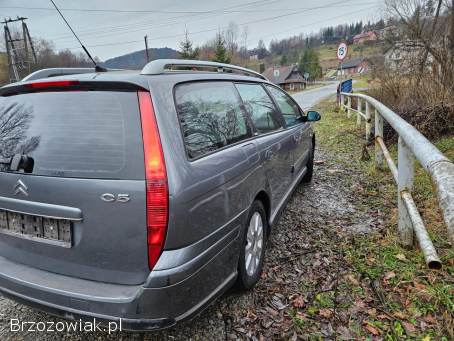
(18, 162)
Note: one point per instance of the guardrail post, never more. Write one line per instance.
(358, 116)
(349, 106)
(404, 183)
(368, 122)
(378, 133)
(341, 101)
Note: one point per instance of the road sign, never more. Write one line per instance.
(342, 51)
(346, 86)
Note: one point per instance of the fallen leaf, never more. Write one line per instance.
(344, 333)
(332, 171)
(352, 279)
(327, 313)
(372, 312)
(267, 323)
(409, 328)
(401, 256)
(373, 330)
(400, 315)
(389, 275)
(420, 286)
(298, 302)
(277, 303)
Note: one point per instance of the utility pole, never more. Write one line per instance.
(18, 50)
(146, 48)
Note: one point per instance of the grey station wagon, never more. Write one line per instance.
(143, 195)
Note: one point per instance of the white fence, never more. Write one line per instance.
(410, 143)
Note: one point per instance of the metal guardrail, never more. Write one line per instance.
(410, 143)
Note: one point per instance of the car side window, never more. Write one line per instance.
(210, 115)
(289, 109)
(259, 106)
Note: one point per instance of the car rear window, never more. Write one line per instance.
(210, 115)
(73, 134)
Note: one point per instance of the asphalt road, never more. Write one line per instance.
(307, 99)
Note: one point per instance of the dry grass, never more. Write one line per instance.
(418, 302)
(426, 104)
(328, 58)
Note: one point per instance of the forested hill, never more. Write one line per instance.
(136, 60)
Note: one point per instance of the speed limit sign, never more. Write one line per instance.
(342, 51)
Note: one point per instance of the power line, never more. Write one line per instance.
(165, 21)
(147, 11)
(212, 30)
(242, 24)
(124, 29)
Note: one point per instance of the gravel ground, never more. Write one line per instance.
(301, 260)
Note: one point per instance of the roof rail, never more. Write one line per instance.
(159, 66)
(60, 71)
(54, 72)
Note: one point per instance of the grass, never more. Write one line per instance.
(364, 81)
(416, 302)
(328, 57)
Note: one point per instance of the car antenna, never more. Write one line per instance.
(97, 67)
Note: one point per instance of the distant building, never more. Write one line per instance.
(365, 36)
(354, 66)
(287, 77)
(405, 55)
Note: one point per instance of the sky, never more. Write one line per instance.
(110, 28)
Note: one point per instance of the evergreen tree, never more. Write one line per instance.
(310, 63)
(261, 49)
(220, 50)
(186, 49)
(284, 60)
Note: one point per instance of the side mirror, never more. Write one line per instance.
(313, 116)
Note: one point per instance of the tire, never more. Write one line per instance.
(310, 166)
(252, 247)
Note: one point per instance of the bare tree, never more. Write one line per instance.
(426, 25)
(14, 124)
(231, 38)
(244, 42)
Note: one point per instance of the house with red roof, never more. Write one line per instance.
(365, 36)
(287, 77)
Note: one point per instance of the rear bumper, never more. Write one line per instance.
(139, 307)
(132, 324)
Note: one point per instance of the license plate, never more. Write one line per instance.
(47, 230)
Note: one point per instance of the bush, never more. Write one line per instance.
(424, 102)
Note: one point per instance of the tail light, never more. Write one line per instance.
(156, 181)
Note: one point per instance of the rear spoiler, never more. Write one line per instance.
(67, 85)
